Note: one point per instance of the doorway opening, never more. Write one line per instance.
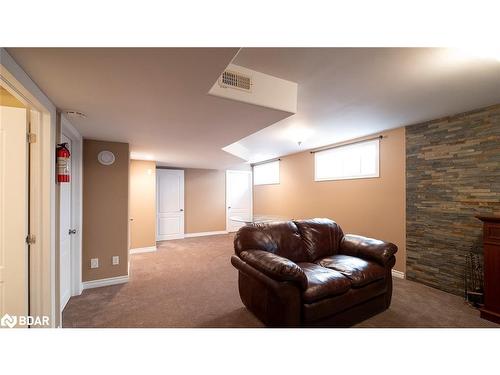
(14, 205)
(27, 194)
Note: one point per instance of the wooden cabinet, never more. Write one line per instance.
(491, 244)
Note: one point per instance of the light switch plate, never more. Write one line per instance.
(116, 260)
(94, 263)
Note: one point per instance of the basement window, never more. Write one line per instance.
(266, 173)
(358, 160)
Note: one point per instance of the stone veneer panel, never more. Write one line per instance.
(452, 174)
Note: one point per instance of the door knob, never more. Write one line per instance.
(72, 231)
(229, 208)
(182, 209)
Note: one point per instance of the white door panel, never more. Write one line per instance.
(170, 198)
(170, 204)
(169, 226)
(13, 211)
(238, 199)
(65, 237)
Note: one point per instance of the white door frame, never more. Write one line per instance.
(76, 204)
(227, 203)
(42, 188)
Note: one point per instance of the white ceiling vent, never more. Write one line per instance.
(253, 87)
(72, 114)
(235, 80)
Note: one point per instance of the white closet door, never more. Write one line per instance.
(170, 204)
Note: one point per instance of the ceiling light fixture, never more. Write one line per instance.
(298, 134)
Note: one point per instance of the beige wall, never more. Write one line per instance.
(370, 207)
(105, 210)
(204, 200)
(142, 203)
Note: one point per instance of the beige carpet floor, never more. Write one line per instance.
(191, 283)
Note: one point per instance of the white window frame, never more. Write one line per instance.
(350, 177)
(266, 163)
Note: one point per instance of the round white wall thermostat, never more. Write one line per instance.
(106, 157)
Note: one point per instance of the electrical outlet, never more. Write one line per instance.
(94, 263)
(116, 260)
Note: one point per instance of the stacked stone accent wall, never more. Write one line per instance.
(452, 174)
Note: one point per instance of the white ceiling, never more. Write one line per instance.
(344, 93)
(156, 99)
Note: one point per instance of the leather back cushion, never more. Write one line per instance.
(280, 238)
(321, 237)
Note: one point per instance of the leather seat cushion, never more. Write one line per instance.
(361, 272)
(333, 305)
(323, 282)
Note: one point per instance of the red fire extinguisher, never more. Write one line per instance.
(63, 162)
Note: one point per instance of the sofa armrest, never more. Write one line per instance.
(275, 266)
(368, 248)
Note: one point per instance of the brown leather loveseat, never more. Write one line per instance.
(308, 273)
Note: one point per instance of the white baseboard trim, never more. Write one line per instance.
(398, 274)
(170, 237)
(201, 234)
(78, 291)
(104, 282)
(139, 250)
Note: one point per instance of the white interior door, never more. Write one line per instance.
(170, 204)
(13, 212)
(238, 199)
(65, 236)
